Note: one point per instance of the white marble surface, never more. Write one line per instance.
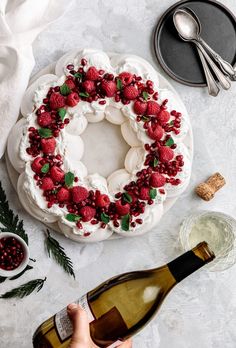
(200, 312)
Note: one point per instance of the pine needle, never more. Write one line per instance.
(8, 219)
(58, 253)
(25, 289)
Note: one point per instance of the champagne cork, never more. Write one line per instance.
(206, 190)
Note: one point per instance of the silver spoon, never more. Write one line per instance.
(188, 29)
(213, 88)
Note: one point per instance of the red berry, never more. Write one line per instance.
(70, 83)
(109, 88)
(88, 86)
(126, 78)
(152, 108)
(163, 116)
(165, 154)
(155, 132)
(157, 180)
(144, 193)
(140, 107)
(130, 92)
(44, 119)
(56, 101)
(72, 99)
(48, 145)
(122, 209)
(102, 200)
(79, 194)
(63, 195)
(87, 213)
(92, 74)
(47, 184)
(37, 165)
(57, 174)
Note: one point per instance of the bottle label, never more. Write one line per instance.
(62, 321)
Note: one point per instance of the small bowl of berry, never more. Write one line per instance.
(14, 254)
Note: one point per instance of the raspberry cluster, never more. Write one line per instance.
(64, 189)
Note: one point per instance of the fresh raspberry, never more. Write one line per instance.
(63, 195)
(122, 209)
(144, 193)
(126, 78)
(102, 201)
(57, 174)
(56, 101)
(92, 74)
(163, 116)
(165, 154)
(37, 165)
(70, 83)
(88, 86)
(47, 184)
(157, 180)
(140, 107)
(48, 145)
(87, 213)
(72, 99)
(109, 88)
(79, 194)
(130, 92)
(155, 132)
(44, 119)
(152, 108)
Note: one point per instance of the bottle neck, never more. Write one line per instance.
(190, 261)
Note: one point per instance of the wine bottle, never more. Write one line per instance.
(123, 305)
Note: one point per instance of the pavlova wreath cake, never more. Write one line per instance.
(45, 146)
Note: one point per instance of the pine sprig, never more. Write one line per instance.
(8, 219)
(25, 289)
(59, 255)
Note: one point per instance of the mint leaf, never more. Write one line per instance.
(78, 75)
(155, 162)
(73, 217)
(62, 113)
(119, 84)
(145, 118)
(45, 168)
(152, 193)
(171, 123)
(125, 222)
(169, 142)
(84, 94)
(145, 95)
(127, 197)
(69, 179)
(64, 89)
(105, 218)
(45, 132)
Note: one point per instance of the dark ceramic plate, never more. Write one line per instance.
(180, 59)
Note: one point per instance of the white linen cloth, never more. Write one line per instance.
(20, 23)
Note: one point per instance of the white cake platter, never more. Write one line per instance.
(188, 142)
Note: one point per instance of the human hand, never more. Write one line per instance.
(81, 335)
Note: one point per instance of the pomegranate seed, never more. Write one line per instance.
(83, 61)
(102, 102)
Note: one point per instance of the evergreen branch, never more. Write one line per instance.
(10, 221)
(59, 255)
(25, 289)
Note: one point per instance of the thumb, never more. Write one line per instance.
(81, 334)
